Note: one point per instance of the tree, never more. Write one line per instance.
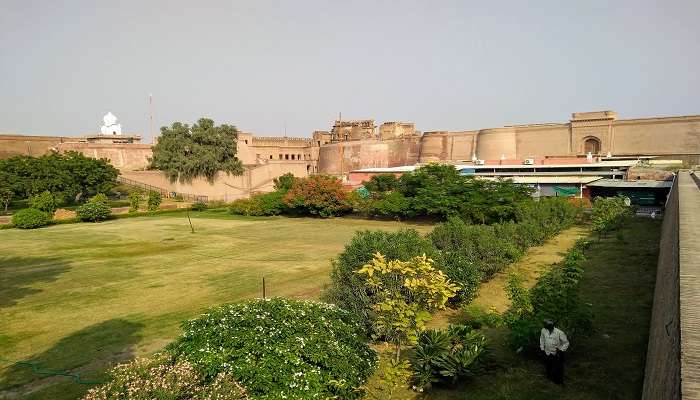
(381, 183)
(284, 182)
(407, 292)
(6, 192)
(184, 153)
(69, 177)
(439, 190)
(317, 195)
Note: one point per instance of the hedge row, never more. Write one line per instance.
(467, 254)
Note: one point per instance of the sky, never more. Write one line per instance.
(271, 67)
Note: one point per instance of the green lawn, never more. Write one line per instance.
(81, 297)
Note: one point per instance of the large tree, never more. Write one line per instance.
(184, 153)
(69, 176)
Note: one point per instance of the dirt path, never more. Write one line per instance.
(492, 294)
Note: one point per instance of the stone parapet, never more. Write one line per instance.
(672, 369)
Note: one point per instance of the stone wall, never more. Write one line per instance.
(662, 371)
(123, 156)
(256, 179)
(13, 145)
(342, 157)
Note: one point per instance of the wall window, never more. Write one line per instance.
(286, 156)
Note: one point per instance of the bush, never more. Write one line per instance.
(154, 200)
(284, 182)
(94, 211)
(134, 201)
(260, 205)
(347, 288)
(281, 348)
(361, 203)
(447, 355)
(476, 317)
(381, 183)
(393, 204)
(469, 254)
(100, 198)
(30, 218)
(44, 202)
(317, 195)
(609, 213)
(162, 377)
(198, 206)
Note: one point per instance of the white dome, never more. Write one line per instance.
(109, 119)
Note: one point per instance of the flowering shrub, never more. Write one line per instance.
(317, 195)
(94, 210)
(161, 377)
(281, 348)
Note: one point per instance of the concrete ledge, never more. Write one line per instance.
(673, 355)
(689, 257)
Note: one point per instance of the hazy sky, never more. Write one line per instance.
(445, 65)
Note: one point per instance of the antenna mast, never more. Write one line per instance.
(150, 117)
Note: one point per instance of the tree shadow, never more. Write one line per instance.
(18, 274)
(77, 362)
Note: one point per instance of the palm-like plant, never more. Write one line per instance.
(447, 355)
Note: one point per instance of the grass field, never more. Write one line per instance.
(80, 297)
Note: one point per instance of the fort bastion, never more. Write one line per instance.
(357, 144)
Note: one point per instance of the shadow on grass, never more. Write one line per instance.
(18, 274)
(88, 352)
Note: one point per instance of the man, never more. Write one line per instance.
(554, 343)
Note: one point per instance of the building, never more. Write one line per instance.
(600, 133)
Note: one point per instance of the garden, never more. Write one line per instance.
(397, 313)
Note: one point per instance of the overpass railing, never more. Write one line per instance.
(165, 192)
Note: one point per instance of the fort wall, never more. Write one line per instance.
(121, 156)
(539, 141)
(342, 157)
(662, 370)
(354, 145)
(492, 144)
(255, 179)
(658, 136)
(35, 146)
